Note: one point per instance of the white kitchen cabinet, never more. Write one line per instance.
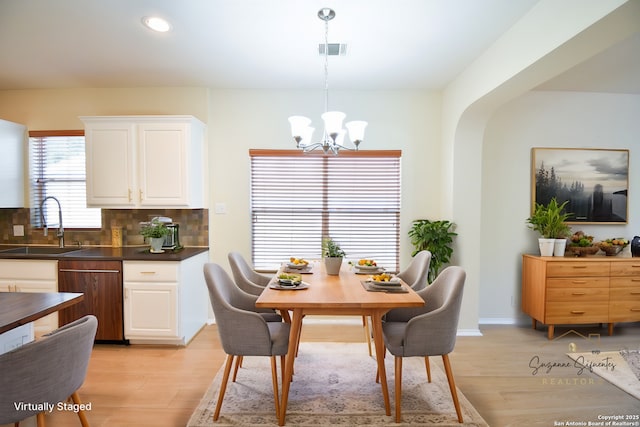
(31, 276)
(145, 161)
(165, 302)
(12, 146)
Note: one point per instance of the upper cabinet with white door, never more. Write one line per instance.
(145, 161)
(12, 146)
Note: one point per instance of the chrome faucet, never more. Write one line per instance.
(60, 233)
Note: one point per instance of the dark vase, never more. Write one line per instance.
(635, 246)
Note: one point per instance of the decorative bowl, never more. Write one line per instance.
(611, 250)
(583, 250)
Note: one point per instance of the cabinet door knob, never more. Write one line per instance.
(130, 197)
(577, 312)
(578, 293)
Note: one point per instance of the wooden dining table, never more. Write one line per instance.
(342, 294)
(20, 308)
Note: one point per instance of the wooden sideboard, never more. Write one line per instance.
(563, 290)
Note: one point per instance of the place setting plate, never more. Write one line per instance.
(279, 285)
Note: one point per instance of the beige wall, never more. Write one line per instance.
(244, 119)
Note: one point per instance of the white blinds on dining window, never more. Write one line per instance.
(297, 199)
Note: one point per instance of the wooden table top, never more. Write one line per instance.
(20, 308)
(343, 292)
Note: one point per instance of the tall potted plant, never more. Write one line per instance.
(435, 237)
(332, 255)
(550, 222)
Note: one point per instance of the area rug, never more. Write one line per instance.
(334, 384)
(620, 368)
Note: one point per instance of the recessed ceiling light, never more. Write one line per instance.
(156, 24)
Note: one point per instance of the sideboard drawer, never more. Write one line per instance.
(625, 282)
(575, 312)
(578, 282)
(624, 294)
(577, 268)
(624, 311)
(577, 294)
(626, 268)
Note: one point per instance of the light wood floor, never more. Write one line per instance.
(160, 386)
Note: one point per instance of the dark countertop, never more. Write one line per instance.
(138, 253)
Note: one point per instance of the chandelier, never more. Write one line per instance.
(333, 137)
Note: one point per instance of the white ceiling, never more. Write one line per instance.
(399, 44)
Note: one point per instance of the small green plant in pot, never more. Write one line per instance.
(332, 254)
(435, 237)
(550, 222)
(155, 231)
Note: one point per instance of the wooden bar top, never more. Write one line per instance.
(20, 308)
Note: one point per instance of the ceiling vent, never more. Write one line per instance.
(334, 49)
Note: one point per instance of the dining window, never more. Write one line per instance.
(297, 199)
(57, 168)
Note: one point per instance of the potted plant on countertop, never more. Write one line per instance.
(435, 237)
(155, 231)
(550, 222)
(332, 254)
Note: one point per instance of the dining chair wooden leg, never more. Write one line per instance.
(398, 374)
(223, 386)
(235, 369)
(367, 334)
(274, 379)
(39, 419)
(452, 385)
(428, 366)
(81, 414)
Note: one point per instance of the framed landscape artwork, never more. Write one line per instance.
(595, 182)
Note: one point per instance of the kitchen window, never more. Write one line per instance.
(57, 168)
(297, 198)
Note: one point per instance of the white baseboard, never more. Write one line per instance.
(469, 333)
(497, 321)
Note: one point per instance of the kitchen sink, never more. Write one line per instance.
(39, 250)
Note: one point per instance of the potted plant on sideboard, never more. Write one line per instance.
(550, 222)
(332, 254)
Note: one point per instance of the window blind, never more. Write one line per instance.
(297, 199)
(57, 168)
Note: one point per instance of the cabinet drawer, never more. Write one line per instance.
(624, 311)
(578, 282)
(29, 269)
(625, 268)
(166, 271)
(625, 294)
(573, 312)
(577, 268)
(625, 282)
(577, 294)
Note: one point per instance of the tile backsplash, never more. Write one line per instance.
(194, 227)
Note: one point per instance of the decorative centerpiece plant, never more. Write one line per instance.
(550, 222)
(155, 231)
(332, 254)
(435, 237)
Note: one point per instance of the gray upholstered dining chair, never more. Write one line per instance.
(415, 275)
(245, 276)
(427, 331)
(243, 332)
(417, 272)
(49, 370)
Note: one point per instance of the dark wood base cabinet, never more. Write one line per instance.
(101, 284)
